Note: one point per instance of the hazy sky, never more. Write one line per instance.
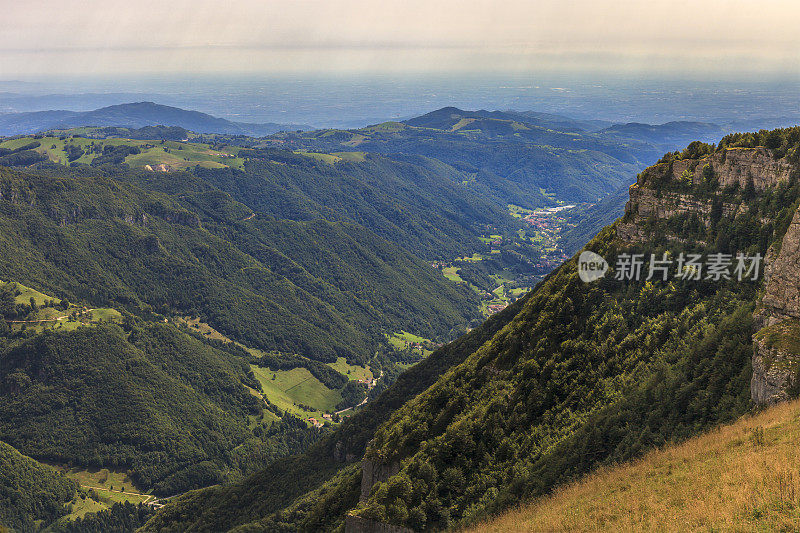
(716, 37)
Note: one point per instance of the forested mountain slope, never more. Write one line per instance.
(585, 373)
(517, 157)
(30, 492)
(287, 482)
(590, 373)
(174, 244)
(157, 402)
(418, 203)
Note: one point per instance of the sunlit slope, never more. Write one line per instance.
(741, 477)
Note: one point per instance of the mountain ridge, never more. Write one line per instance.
(134, 115)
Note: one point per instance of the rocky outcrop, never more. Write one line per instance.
(735, 166)
(645, 203)
(666, 190)
(776, 362)
(781, 298)
(373, 472)
(776, 348)
(739, 165)
(342, 454)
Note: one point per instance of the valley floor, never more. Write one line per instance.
(740, 477)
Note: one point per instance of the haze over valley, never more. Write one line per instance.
(411, 266)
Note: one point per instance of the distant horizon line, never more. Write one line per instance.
(754, 77)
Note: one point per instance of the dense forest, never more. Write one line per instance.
(417, 203)
(30, 492)
(159, 403)
(319, 288)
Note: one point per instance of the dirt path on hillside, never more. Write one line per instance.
(46, 319)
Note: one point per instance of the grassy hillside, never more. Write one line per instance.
(739, 477)
(30, 492)
(176, 155)
(296, 390)
(33, 311)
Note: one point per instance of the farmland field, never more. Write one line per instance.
(356, 372)
(297, 386)
(174, 154)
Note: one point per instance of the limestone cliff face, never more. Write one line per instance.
(776, 342)
(776, 358)
(646, 203)
(731, 166)
(781, 298)
(373, 472)
(737, 166)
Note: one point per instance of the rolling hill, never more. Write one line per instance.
(521, 158)
(133, 115)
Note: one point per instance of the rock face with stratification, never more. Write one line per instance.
(776, 358)
(732, 167)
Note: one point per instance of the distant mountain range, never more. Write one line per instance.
(517, 157)
(135, 115)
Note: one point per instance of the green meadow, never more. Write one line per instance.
(353, 372)
(56, 318)
(175, 154)
(100, 489)
(287, 389)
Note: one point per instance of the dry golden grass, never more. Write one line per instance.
(741, 477)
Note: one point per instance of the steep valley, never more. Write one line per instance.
(580, 375)
(323, 341)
